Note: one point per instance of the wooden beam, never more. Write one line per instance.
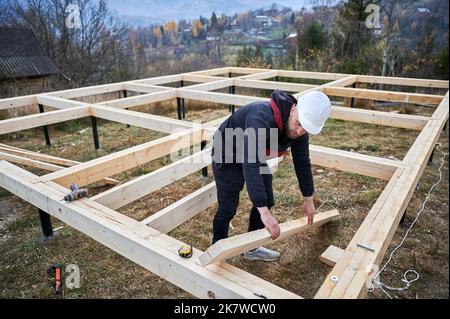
(236, 245)
(141, 186)
(339, 82)
(13, 102)
(212, 72)
(57, 102)
(413, 122)
(272, 85)
(29, 162)
(87, 91)
(42, 161)
(143, 88)
(141, 99)
(37, 156)
(331, 255)
(201, 78)
(313, 75)
(141, 244)
(139, 119)
(109, 165)
(216, 97)
(403, 81)
(36, 120)
(353, 162)
(246, 71)
(379, 95)
(181, 211)
(261, 75)
(161, 79)
(210, 86)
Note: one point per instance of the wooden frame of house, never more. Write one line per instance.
(206, 274)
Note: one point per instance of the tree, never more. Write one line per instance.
(214, 23)
(392, 10)
(314, 38)
(87, 55)
(352, 38)
(196, 28)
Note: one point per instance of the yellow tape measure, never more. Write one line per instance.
(185, 251)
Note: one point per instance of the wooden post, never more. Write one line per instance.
(95, 132)
(46, 224)
(47, 136)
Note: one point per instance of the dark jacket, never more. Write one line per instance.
(266, 115)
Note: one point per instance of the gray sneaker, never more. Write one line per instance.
(262, 253)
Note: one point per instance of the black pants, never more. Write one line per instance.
(230, 182)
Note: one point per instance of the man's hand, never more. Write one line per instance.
(309, 209)
(270, 222)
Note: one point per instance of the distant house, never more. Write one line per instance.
(24, 66)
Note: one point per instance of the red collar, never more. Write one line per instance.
(277, 115)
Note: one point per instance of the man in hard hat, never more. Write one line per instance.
(293, 121)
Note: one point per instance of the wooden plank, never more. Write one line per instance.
(161, 79)
(57, 102)
(413, 122)
(86, 91)
(210, 86)
(353, 162)
(246, 71)
(331, 255)
(141, 244)
(109, 165)
(403, 81)
(36, 120)
(261, 75)
(379, 95)
(273, 85)
(340, 82)
(142, 99)
(312, 75)
(236, 245)
(212, 72)
(29, 162)
(143, 88)
(139, 119)
(42, 161)
(216, 97)
(37, 156)
(201, 78)
(181, 211)
(141, 186)
(13, 102)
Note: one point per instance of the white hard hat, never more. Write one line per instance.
(313, 108)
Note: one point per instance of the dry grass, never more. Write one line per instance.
(105, 274)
